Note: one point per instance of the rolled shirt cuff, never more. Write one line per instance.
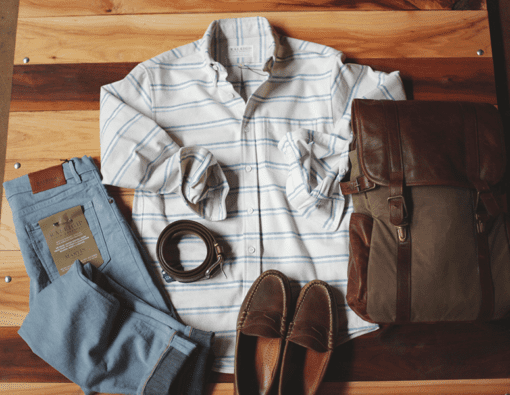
(203, 185)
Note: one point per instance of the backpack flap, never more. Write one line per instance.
(441, 143)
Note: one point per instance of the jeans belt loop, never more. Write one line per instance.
(76, 176)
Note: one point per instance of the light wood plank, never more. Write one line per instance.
(40, 389)
(13, 295)
(370, 34)
(8, 240)
(51, 135)
(450, 387)
(49, 8)
(38, 140)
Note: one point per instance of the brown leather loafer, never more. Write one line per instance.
(310, 340)
(261, 330)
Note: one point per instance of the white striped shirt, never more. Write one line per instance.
(246, 132)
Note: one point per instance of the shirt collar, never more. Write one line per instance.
(237, 29)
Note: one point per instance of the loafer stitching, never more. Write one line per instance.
(307, 288)
(252, 293)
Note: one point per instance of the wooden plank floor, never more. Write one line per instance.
(66, 49)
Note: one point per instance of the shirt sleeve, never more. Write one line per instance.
(316, 167)
(137, 153)
(318, 161)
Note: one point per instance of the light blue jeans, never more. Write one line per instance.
(109, 329)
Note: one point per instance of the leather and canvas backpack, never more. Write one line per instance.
(429, 237)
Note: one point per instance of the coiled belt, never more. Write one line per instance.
(213, 259)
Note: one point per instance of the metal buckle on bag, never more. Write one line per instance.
(402, 233)
(368, 187)
(402, 227)
(357, 185)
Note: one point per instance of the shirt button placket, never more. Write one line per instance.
(250, 203)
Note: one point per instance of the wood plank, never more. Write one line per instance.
(51, 135)
(20, 365)
(13, 295)
(64, 86)
(425, 352)
(50, 8)
(77, 86)
(405, 352)
(8, 240)
(368, 34)
(452, 387)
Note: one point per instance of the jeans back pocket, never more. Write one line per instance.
(42, 249)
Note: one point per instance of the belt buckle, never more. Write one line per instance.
(219, 254)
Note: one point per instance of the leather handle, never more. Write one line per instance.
(214, 256)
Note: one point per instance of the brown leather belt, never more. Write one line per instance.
(213, 260)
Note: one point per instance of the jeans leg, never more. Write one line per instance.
(125, 298)
(194, 376)
(96, 339)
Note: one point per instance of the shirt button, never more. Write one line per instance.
(232, 95)
(246, 129)
(248, 168)
(250, 210)
(251, 250)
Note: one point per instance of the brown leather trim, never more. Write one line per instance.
(485, 195)
(473, 160)
(398, 212)
(396, 199)
(360, 238)
(359, 185)
(507, 226)
(403, 313)
(49, 178)
(486, 283)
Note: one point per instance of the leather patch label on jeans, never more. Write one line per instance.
(49, 178)
(69, 238)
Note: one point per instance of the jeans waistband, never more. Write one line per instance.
(73, 170)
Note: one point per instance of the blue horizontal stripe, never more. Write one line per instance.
(196, 104)
(300, 77)
(292, 98)
(202, 125)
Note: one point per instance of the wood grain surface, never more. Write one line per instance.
(370, 34)
(450, 387)
(74, 47)
(48, 8)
